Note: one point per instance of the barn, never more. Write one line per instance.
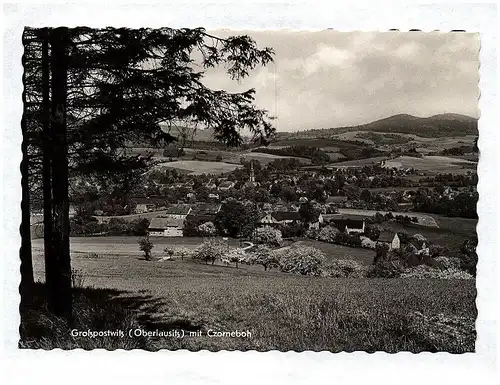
(166, 227)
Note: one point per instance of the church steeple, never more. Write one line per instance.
(252, 174)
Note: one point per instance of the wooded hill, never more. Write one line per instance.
(444, 125)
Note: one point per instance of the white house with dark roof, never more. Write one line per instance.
(389, 238)
(166, 227)
(179, 211)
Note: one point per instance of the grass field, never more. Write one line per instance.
(197, 167)
(423, 219)
(433, 164)
(447, 237)
(281, 311)
(363, 256)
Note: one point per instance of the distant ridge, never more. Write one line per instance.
(442, 125)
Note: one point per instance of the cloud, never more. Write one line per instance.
(330, 79)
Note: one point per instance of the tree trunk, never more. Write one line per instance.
(59, 267)
(46, 159)
(27, 279)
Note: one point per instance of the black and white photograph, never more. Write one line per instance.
(197, 189)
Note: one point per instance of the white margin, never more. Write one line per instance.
(183, 367)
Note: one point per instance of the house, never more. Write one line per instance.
(350, 224)
(227, 185)
(213, 196)
(178, 211)
(286, 217)
(268, 221)
(203, 213)
(143, 205)
(389, 238)
(166, 227)
(317, 223)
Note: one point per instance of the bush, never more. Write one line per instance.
(77, 278)
(344, 268)
(291, 231)
(210, 250)
(386, 269)
(207, 229)
(328, 234)
(348, 240)
(268, 236)
(424, 272)
(448, 262)
(372, 232)
(146, 246)
(303, 260)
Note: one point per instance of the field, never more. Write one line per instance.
(433, 164)
(197, 167)
(423, 219)
(363, 256)
(280, 311)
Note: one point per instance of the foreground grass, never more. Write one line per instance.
(281, 311)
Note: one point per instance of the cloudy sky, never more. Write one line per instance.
(332, 79)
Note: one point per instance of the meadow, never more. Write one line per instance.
(433, 164)
(281, 311)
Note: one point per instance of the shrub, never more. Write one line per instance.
(348, 240)
(344, 268)
(312, 233)
(385, 269)
(382, 249)
(77, 278)
(328, 234)
(169, 251)
(303, 260)
(210, 250)
(207, 229)
(295, 230)
(145, 245)
(448, 262)
(268, 236)
(372, 232)
(424, 272)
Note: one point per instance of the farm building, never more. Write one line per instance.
(143, 205)
(389, 238)
(166, 227)
(317, 223)
(349, 224)
(287, 217)
(179, 211)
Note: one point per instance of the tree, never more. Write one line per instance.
(303, 260)
(236, 218)
(145, 245)
(268, 236)
(372, 232)
(111, 88)
(210, 250)
(263, 255)
(309, 212)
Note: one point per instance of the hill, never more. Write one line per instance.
(443, 125)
